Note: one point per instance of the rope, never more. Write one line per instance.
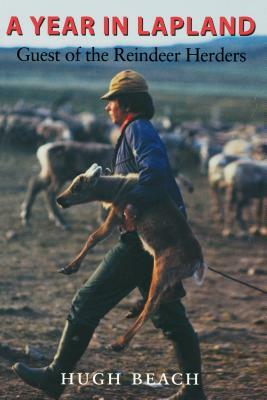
(238, 280)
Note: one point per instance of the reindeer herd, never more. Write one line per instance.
(232, 157)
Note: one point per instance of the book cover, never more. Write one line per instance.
(205, 67)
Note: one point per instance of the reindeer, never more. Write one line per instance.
(164, 231)
(233, 150)
(216, 166)
(61, 162)
(245, 181)
(50, 130)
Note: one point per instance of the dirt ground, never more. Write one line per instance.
(230, 319)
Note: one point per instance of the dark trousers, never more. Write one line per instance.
(125, 267)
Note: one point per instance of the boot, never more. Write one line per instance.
(72, 345)
(187, 352)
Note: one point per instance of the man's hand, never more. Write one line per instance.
(129, 218)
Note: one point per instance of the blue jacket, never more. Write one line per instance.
(142, 151)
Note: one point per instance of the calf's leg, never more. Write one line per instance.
(162, 289)
(52, 208)
(101, 233)
(239, 216)
(35, 186)
(230, 200)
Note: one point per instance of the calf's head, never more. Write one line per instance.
(82, 189)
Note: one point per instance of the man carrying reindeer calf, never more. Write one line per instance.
(126, 266)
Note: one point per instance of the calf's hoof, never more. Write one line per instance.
(69, 269)
(117, 346)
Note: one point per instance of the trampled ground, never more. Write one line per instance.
(35, 300)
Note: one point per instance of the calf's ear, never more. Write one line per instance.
(93, 173)
(90, 172)
(96, 175)
(97, 172)
(94, 170)
(107, 172)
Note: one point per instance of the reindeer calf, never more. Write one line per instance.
(162, 228)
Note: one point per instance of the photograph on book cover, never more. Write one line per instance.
(174, 94)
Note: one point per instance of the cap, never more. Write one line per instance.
(127, 81)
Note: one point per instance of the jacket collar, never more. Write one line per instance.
(130, 117)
